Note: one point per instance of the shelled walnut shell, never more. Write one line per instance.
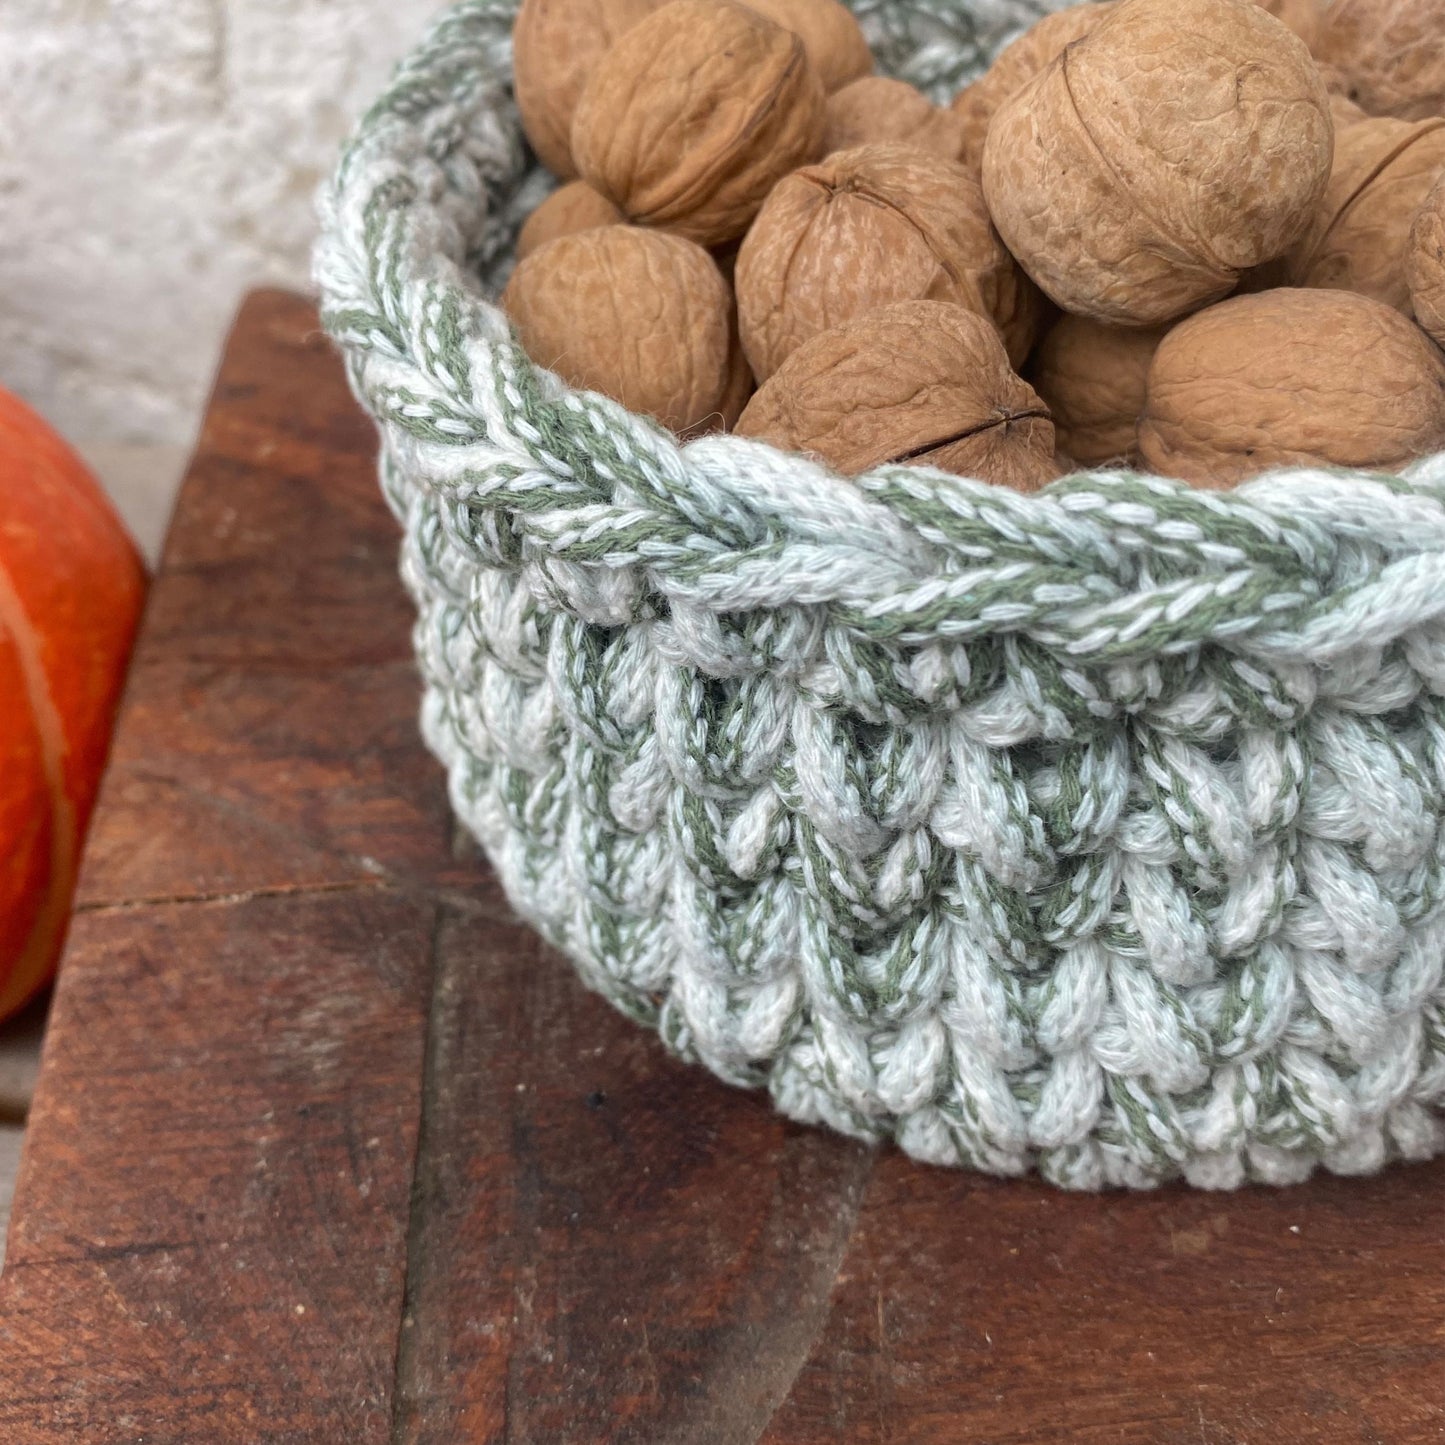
(1291, 378)
(1382, 171)
(1389, 55)
(1304, 17)
(639, 315)
(1174, 147)
(1091, 378)
(570, 208)
(864, 228)
(737, 391)
(1016, 64)
(880, 111)
(692, 117)
(837, 49)
(918, 381)
(555, 44)
(1425, 262)
(1344, 113)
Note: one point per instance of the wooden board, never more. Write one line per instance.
(328, 1148)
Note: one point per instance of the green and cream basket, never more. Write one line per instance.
(1097, 832)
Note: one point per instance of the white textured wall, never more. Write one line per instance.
(156, 158)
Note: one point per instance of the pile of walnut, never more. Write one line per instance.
(1202, 237)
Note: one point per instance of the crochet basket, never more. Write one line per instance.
(1096, 832)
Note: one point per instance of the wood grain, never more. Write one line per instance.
(209, 1235)
(610, 1246)
(329, 1148)
(208, 1238)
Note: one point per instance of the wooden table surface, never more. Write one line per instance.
(328, 1148)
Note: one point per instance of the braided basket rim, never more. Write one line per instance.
(1099, 584)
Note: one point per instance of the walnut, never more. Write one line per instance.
(639, 315)
(1091, 378)
(866, 227)
(836, 48)
(1304, 17)
(739, 389)
(726, 257)
(573, 207)
(1389, 54)
(1425, 262)
(1016, 64)
(555, 44)
(877, 110)
(1356, 242)
(1344, 113)
(689, 120)
(1178, 144)
(917, 381)
(1291, 378)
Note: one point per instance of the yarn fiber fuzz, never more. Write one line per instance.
(1096, 832)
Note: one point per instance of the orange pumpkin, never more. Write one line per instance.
(71, 589)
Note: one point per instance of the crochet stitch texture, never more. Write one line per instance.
(1097, 832)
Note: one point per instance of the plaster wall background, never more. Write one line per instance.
(157, 157)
